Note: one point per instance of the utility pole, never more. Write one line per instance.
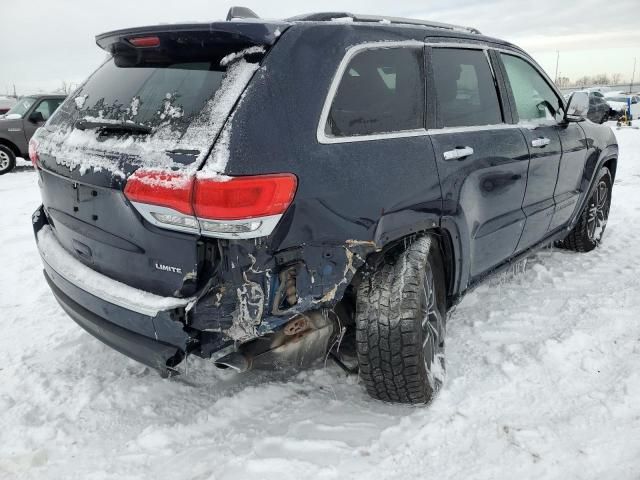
(633, 75)
(557, 62)
(14, 91)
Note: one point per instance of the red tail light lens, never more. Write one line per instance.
(166, 189)
(223, 207)
(143, 42)
(33, 153)
(240, 198)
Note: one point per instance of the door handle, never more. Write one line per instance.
(540, 142)
(458, 152)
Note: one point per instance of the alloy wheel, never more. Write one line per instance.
(433, 332)
(598, 212)
(4, 160)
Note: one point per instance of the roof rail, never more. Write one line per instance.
(241, 12)
(328, 16)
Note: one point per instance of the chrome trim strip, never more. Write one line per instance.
(321, 135)
(98, 285)
(325, 139)
(474, 128)
(461, 45)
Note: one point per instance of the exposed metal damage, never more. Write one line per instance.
(274, 302)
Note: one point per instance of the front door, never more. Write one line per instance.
(558, 150)
(482, 160)
(45, 109)
(538, 111)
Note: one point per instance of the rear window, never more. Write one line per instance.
(164, 114)
(159, 97)
(381, 91)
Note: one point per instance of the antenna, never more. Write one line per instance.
(240, 12)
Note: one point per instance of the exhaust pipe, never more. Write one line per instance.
(235, 361)
(304, 339)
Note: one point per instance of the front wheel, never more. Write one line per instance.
(588, 232)
(7, 159)
(401, 323)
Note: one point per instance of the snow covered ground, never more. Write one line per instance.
(543, 382)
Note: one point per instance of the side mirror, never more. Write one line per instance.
(36, 117)
(577, 107)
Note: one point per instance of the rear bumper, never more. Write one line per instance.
(143, 326)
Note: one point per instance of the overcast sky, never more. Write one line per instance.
(43, 42)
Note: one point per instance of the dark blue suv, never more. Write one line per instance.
(266, 193)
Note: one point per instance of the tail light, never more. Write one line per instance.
(145, 42)
(222, 207)
(33, 153)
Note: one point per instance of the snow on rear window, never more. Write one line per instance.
(185, 110)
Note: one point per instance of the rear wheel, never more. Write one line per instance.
(7, 159)
(588, 232)
(401, 323)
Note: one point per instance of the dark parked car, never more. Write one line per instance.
(598, 108)
(265, 193)
(20, 123)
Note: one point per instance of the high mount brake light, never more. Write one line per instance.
(222, 207)
(33, 153)
(145, 42)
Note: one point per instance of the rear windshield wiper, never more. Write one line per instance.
(132, 127)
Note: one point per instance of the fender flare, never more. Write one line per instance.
(607, 154)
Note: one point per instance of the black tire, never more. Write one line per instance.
(588, 232)
(401, 358)
(7, 159)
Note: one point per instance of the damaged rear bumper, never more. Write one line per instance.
(143, 326)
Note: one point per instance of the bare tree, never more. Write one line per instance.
(601, 79)
(66, 87)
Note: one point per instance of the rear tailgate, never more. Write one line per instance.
(157, 106)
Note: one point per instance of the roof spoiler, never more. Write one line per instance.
(249, 33)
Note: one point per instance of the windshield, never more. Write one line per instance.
(20, 108)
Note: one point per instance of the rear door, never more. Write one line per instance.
(482, 159)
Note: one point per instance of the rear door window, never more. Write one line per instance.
(381, 91)
(465, 88)
(535, 99)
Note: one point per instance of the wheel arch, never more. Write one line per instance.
(12, 146)
(612, 164)
(448, 250)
